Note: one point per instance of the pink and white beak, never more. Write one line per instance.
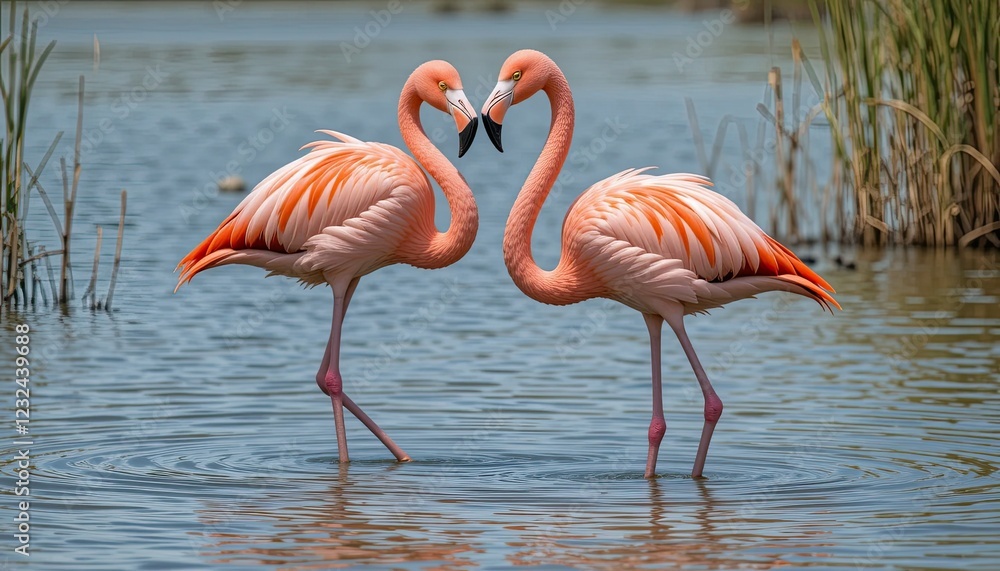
(465, 118)
(495, 109)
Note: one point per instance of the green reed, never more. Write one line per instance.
(912, 92)
(19, 67)
(21, 280)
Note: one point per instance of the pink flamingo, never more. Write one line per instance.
(664, 245)
(348, 208)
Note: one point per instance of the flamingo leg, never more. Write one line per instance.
(713, 404)
(321, 375)
(658, 425)
(332, 381)
(345, 400)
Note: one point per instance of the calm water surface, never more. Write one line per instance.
(186, 431)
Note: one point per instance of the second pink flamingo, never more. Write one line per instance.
(664, 245)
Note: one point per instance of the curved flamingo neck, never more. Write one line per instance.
(558, 286)
(443, 248)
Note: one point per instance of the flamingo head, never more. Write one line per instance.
(438, 83)
(523, 74)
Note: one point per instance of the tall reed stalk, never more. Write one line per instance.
(21, 280)
(19, 67)
(912, 94)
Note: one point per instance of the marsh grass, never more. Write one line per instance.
(22, 283)
(19, 67)
(912, 92)
(909, 92)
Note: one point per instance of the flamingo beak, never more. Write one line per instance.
(495, 109)
(465, 119)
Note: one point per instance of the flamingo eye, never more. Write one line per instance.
(516, 76)
(442, 86)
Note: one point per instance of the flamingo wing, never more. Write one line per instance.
(687, 226)
(335, 189)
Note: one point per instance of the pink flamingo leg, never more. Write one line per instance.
(321, 375)
(332, 380)
(657, 426)
(346, 402)
(713, 404)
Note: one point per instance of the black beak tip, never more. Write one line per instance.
(466, 136)
(493, 130)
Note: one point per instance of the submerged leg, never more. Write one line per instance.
(657, 426)
(713, 404)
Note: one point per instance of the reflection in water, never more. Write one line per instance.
(675, 533)
(928, 305)
(330, 528)
(348, 523)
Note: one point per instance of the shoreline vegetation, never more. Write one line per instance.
(23, 281)
(910, 95)
(913, 100)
